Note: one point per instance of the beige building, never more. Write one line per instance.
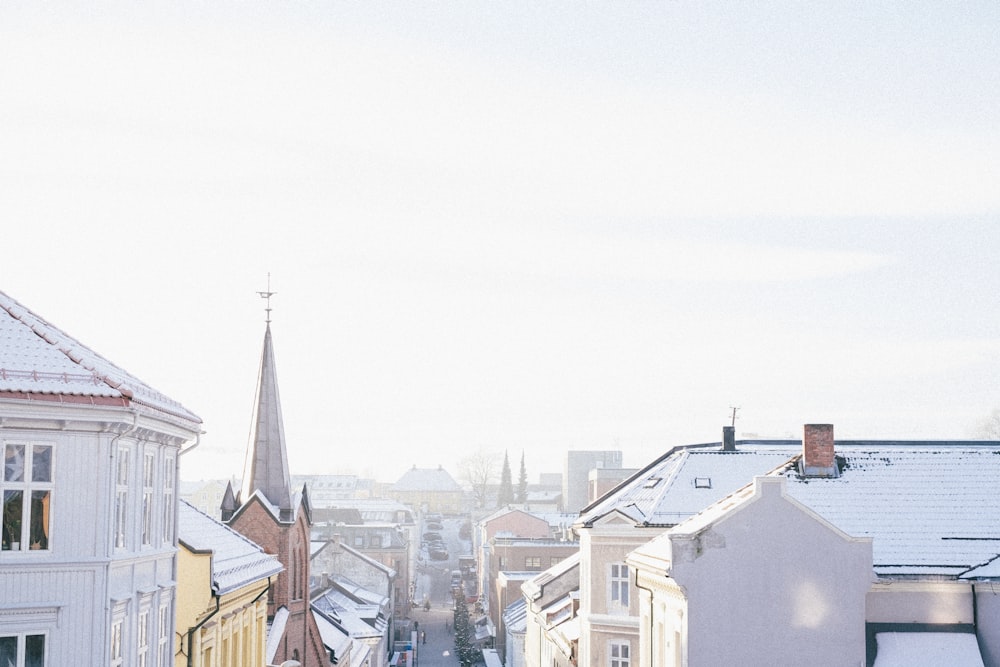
(428, 490)
(222, 584)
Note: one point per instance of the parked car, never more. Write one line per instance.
(438, 554)
(430, 537)
(434, 525)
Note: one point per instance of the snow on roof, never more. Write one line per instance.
(236, 561)
(515, 616)
(930, 509)
(275, 631)
(927, 649)
(426, 479)
(334, 637)
(685, 481)
(350, 614)
(38, 358)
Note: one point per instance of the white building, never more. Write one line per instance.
(89, 493)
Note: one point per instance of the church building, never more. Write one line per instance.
(268, 512)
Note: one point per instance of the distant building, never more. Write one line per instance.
(222, 581)
(89, 489)
(206, 495)
(576, 475)
(428, 490)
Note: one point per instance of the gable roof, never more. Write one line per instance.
(236, 561)
(37, 359)
(685, 480)
(426, 479)
(932, 508)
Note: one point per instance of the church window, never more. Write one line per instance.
(26, 490)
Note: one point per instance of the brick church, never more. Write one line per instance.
(267, 511)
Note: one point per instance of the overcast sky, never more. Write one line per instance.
(523, 226)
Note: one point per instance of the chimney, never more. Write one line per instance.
(818, 458)
(729, 438)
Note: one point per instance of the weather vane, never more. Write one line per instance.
(267, 296)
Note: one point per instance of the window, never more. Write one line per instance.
(147, 498)
(619, 586)
(618, 654)
(23, 650)
(27, 497)
(359, 540)
(554, 560)
(117, 630)
(533, 563)
(143, 638)
(168, 501)
(502, 562)
(163, 635)
(121, 498)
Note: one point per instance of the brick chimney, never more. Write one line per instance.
(729, 438)
(818, 457)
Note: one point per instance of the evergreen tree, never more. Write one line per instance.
(522, 483)
(506, 495)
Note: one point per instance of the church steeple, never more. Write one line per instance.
(266, 467)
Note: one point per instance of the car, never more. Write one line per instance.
(438, 554)
(430, 537)
(434, 525)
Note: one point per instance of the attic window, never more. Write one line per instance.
(651, 482)
(703, 482)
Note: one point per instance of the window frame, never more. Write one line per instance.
(27, 487)
(20, 646)
(619, 590)
(122, 478)
(624, 653)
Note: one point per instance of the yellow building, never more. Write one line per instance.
(222, 584)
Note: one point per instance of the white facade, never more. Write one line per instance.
(89, 493)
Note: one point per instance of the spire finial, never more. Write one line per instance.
(267, 296)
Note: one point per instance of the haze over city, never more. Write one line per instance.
(518, 226)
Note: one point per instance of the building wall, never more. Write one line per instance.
(816, 589)
(576, 472)
(988, 617)
(233, 635)
(290, 543)
(83, 584)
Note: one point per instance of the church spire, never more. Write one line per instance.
(266, 467)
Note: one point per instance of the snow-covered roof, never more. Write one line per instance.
(358, 618)
(275, 631)
(515, 616)
(686, 480)
(931, 509)
(236, 561)
(927, 649)
(334, 637)
(426, 479)
(37, 358)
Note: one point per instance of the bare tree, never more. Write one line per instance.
(990, 428)
(479, 470)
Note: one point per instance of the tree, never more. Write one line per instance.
(506, 496)
(522, 483)
(478, 470)
(990, 427)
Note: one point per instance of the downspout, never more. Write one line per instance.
(197, 441)
(203, 622)
(650, 656)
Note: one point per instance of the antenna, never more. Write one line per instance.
(267, 296)
(734, 408)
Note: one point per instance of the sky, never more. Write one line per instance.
(523, 227)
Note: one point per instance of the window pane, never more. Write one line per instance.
(13, 468)
(41, 463)
(39, 538)
(34, 651)
(11, 521)
(8, 651)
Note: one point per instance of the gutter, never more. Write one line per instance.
(190, 633)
